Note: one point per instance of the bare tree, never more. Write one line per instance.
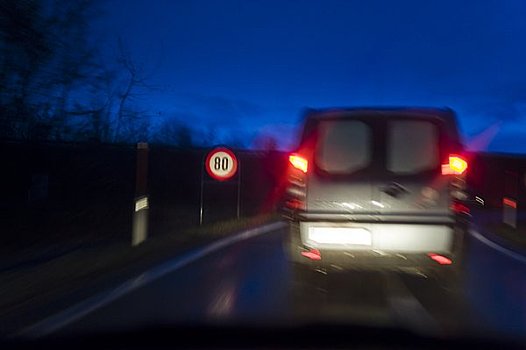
(73, 64)
(128, 115)
(55, 85)
(173, 131)
(45, 61)
(25, 48)
(265, 142)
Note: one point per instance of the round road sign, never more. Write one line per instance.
(221, 164)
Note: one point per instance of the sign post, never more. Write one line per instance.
(221, 164)
(201, 196)
(238, 192)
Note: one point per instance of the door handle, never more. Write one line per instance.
(394, 189)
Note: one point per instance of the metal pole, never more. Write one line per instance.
(239, 189)
(201, 192)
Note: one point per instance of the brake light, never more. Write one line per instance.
(457, 166)
(313, 254)
(442, 260)
(295, 204)
(460, 208)
(299, 162)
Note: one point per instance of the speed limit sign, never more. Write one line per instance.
(221, 164)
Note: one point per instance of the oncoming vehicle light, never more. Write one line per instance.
(457, 165)
(299, 162)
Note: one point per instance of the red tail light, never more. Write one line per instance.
(299, 162)
(295, 203)
(456, 166)
(313, 254)
(442, 260)
(460, 208)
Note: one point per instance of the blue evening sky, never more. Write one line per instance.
(246, 68)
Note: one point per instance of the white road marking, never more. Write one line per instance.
(63, 318)
(501, 249)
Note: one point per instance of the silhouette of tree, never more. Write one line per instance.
(45, 64)
(172, 131)
(265, 142)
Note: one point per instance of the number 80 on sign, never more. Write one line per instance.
(221, 164)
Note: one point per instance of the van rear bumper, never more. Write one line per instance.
(385, 237)
(371, 261)
(376, 245)
(438, 219)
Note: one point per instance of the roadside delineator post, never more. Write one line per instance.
(509, 200)
(140, 214)
(509, 211)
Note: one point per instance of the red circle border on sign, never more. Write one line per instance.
(211, 154)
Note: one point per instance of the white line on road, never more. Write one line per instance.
(63, 318)
(498, 247)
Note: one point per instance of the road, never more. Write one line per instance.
(249, 282)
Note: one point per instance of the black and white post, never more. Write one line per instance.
(140, 215)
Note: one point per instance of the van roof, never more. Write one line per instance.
(443, 113)
(446, 114)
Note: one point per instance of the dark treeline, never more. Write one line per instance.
(57, 85)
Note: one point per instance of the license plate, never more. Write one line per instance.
(340, 235)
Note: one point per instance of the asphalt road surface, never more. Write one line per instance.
(250, 282)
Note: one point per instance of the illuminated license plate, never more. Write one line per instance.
(340, 235)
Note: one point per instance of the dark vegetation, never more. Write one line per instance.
(71, 194)
(70, 118)
(67, 214)
(58, 83)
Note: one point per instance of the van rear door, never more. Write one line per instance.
(411, 186)
(344, 162)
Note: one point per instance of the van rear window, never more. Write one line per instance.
(412, 146)
(344, 146)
